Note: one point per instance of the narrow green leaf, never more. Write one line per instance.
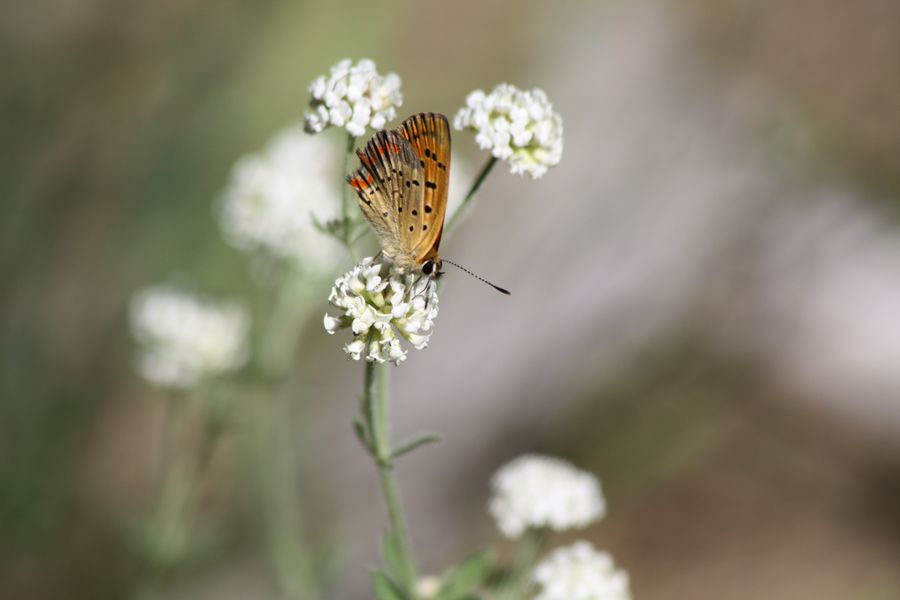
(386, 588)
(361, 432)
(319, 225)
(466, 578)
(422, 440)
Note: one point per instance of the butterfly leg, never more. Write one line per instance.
(428, 283)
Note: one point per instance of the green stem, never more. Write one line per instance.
(485, 171)
(528, 550)
(180, 486)
(153, 567)
(279, 488)
(286, 314)
(346, 200)
(276, 443)
(375, 412)
(166, 440)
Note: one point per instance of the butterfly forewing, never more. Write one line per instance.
(429, 135)
(402, 186)
(388, 163)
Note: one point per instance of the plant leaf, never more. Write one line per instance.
(386, 588)
(464, 579)
(421, 440)
(361, 432)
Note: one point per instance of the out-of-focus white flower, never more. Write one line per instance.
(578, 572)
(541, 491)
(461, 175)
(516, 126)
(184, 337)
(377, 303)
(428, 587)
(273, 197)
(353, 97)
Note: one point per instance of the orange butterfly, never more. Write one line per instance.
(402, 188)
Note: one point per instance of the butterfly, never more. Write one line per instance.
(402, 186)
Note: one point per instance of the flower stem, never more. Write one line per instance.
(529, 548)
(345, 197)
(164, 451)
(485, 171)
(375, 413)
(180, 481)
(286, 314)
(277, 468)
(276, 441)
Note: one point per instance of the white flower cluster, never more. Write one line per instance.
(541, 491)
(353, 97)
(273, 197)
(185, 338)
(377, 302)
(578, 572)
(516, 126)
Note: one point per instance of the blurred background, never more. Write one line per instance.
(705, 308)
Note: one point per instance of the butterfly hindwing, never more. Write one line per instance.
(429, 136)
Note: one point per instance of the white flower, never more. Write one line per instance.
(516, 126)
(377, 303)
(273, 197)
(541, 491)
(578, 572)
(353, 97)
(461, 175)
(184, 337)
(428, 587)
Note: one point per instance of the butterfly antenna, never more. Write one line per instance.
(481, 279)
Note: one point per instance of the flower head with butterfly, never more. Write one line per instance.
(401, 185)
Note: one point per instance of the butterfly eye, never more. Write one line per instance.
(428, 267)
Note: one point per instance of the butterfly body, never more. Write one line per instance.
(402, 186)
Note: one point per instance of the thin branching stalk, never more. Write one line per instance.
(375, 403)
(346, 200)
(482, 175)
(276, 441)
(280, 494)
(527, 552)
(180, 484)
(166, 437)
(169, 425)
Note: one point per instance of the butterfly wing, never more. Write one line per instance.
(428, 134)
(390, 191)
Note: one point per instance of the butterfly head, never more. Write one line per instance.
(432, 268)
